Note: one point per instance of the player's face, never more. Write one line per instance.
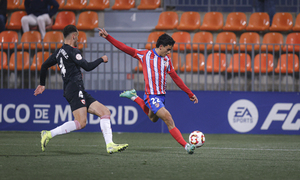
(165, 50)
(75, 39)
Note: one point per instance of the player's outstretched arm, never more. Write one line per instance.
(39, 90)
(194, 99)
(102, 33)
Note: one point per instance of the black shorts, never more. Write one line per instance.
(77, 96)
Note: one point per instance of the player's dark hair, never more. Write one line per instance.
(69, 29)
(165, 40)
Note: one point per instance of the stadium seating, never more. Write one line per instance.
(258, 22)
(29, 40)
(250, 38)
(38, 60)
(22, 6)
(225, 37)
(61, 4)
(75, 5)
(87, 20)
(189, 21)
(263, 63)
(149, 4)
(236, 21)
(184, 40)
(13, 4)
(216, 62)
(97, 5)
(297, 23)
(64, 18)
(82, 40)
(212, 21)
(167, 20)
(8, 39)
(282, 22)
(240, 63)
(22, 61)
(291, 40)
(15, 20)
(123, 4)
(139, 67)
(52, 40)
(3, 61)
(176, 60)
(200, 38)
(193, 62)
(272, 41)
(152, 38)
(287, 63)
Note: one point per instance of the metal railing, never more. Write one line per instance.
(203, 73)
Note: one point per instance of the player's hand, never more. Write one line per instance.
(39, 90)
(105, 59)
(102, 33)
(195, 99)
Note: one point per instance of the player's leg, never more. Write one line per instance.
(28, 20)
(134, 97)
(103, 112)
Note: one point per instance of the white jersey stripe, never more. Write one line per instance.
(149, 72)
(155, 62)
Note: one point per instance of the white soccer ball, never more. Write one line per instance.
(197, 138)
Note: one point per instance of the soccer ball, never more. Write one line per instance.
(197, 138)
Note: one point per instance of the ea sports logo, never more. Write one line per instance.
(242, 116)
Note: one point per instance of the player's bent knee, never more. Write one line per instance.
(80, 124)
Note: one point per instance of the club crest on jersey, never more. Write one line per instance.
(82, 101)
(78, 56)
(167, 64)
(157, 105)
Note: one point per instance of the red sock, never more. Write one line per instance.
(141, 103)
(177, 136)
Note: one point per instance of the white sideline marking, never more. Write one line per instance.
(216, 148)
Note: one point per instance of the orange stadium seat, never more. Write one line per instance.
(184, 40)
(189, 21)
(22, 61)
(64, 18)
(240, 62)
(176, 60)
(82, 40)
(200, 38)
(282, 22)
(152, 38)
(225, 37)
(38, 60)
(236, 21)
(292, 42)
(139, 67)
(259, 21)
(3, 61)
(287, 63)
(263, 63)
(149, 4)
(250, 38)
(75, 4)
(52, 39)
(194, 61)
(97, 5)
(123, 4)
(22, 6)
(167, 20)
(61, 4)
(216, 62)
(30, 37)
(15, 20)
(13, 4)
(8, 39)
(271, 41)
(87, 20)
(212, 21)
(297, 23)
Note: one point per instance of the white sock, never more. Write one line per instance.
(105, 126)
(133, 98)
(65, 128)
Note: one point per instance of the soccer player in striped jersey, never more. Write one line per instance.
(156, 64)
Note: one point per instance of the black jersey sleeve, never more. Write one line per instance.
(48, 63)
(88, 66)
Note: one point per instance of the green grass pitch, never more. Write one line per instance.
(156, 156)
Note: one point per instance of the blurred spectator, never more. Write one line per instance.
(266, 6)
(39, 12)
(3, 9)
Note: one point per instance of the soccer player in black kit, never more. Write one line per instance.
(70, 60)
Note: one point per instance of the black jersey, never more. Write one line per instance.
(69, 60)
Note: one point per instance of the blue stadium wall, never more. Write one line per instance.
(216, 112)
